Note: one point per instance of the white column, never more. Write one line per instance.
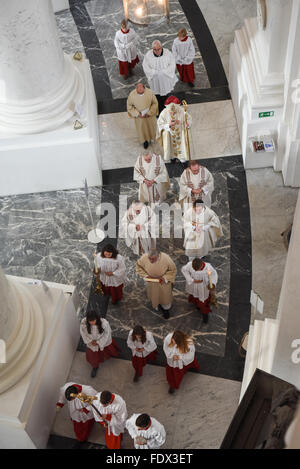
(38, 83)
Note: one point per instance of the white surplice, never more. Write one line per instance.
(184, 359)
(76, 406)
(153, 171)
(199, 290)
(118, 411)
(149, 346)
(183, 51)
(199, 244)
(203, 180)
(143, 240)
(160, 72)
(126, 45)
(117, 266)
(155, 434)
(103, 340)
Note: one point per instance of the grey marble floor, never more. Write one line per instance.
(196, 416)
(272, 207)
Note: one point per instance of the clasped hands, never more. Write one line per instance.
(148, 182)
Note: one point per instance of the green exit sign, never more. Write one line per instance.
(266, 114)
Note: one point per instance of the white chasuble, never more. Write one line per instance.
(139, 229)
(155, 171)
(189, 181)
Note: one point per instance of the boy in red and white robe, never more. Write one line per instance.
(142, 352)
(201, 279)
(80, 412)
(146, 431)
(113, 417)
(125, 43)
(184, 53)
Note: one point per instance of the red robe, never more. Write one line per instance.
(175, 375)
(112, 441)
(186, 72)
(95, 358)
(124, 67)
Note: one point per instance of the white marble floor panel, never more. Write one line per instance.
(196, 416)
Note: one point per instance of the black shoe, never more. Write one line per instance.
(146, 144)
(94, 372)
(166, 312)
(171, 390)
(136, 378)
(205, 318)
(78, 444)
(191, 84)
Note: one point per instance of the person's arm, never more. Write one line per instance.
(186, 272)
(148, 69)
(190, 53)
(209, 183)
(131, 109)
(84, 333)
(105, 337)
(153, 109)
(188, 357)
(121, 268)
(140, 270)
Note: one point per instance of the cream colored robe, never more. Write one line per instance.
(153, 171)
(188, 181)
(199, 244)
(139, 241)
(158, 293)
(136, 103)
(173, 141)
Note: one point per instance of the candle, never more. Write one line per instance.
(209, 277)
(95, 262)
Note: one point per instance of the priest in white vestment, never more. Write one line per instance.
(151, 174)
(202, 228)
(196, 182)
(146, 431)
(125, 42)
(160, 69)
(138, 227)
(171, 130)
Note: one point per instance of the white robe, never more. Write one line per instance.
(145, 238)
(103, 340)
(155, 434)
(203, 180)
(183, 51)
(118, 413)
(76, 406)
(157, 192)
(149, 346)
(117, 266)
(126, 45)
(184, 358)
(199, 244)
(160, 72)
(173, 141)
(199, 290)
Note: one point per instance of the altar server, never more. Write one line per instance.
(138, 227)
(180, 352)
(142, 106)
(202, 228)
(96, 334)
(184, 52)
(113, 417)
(196, 182)
(146, 431)
(201, 279)
(126, 41)
(143, 347)
(112, 271)
(151, 174)
(80, 412)
(171, 130)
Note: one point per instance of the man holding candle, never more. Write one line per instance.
(201, 279)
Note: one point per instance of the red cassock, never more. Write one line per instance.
(125, 67)
(94, 358)
(204, 306)
(186, 72)
(83, 429)
(175, 375)
(138, 363)
(116, 293)
(112, 441)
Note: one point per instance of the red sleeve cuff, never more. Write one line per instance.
(59, 404)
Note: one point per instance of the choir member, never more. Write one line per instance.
(112, 272)
(96, 334)
(146, 431)
(142, 106)
(126, 46)
(143, 347)
(180, 352)
(138, 227)
(112, 414)
(151, 174)
(159, 272)
(80, 412)
(196, 182)
(171, 131)
(201, 279)
(202, 228)
(184, 52)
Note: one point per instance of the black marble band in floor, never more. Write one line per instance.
(62, 442)
(227, 364)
